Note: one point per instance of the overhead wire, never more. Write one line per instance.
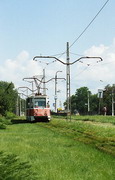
(89, 24)
(91, 65)
(86, 27)
(82, 71)
(76, 54)
(60, 55)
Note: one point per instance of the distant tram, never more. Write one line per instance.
(37, 108)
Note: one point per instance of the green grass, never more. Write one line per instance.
(96, 118)
(55, 153)
(12, 168)
(99, 136)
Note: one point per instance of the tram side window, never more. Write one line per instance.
(29, 103)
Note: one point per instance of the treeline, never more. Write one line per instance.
(8, 97)
(84, 102)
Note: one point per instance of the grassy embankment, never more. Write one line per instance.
(96, 118)
(91, 130)
(55, 152)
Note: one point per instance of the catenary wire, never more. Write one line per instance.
(89, 24)
(86, 27)
(81, 32)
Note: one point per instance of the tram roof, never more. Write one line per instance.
(38, 96)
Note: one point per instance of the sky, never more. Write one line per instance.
(33, 27)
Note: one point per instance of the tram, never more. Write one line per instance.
(37, 108)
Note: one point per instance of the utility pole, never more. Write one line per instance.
(112, 101)
(56, 91)
(44, 85)
(67, 71)
(19, 101)
(20, 106)
(68, 80)
(88, 102)
(17, 106)
(32, 87)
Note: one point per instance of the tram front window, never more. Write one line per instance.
(41, 102)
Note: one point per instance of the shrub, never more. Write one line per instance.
(2, 126)
(11, 168)
(5, 121)
(9, 115)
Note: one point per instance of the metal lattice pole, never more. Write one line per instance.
(44, 85)
(112, 101)
(56, 90)
(68, 79)
(67, 72)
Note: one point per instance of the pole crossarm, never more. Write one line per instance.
(53, 79)
(25, 79)
(26, 88)
(50, 57)
(45, 81)
(53, 57)
(22, 94)
(86, 57)
(32, 78)
(67, 63)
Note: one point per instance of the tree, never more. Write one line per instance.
(73, 103)
(82, 99)
(94, 104)
(109, 91)
(79, 101)
(8, 97)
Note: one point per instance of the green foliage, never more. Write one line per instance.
(11, 168)
(94, 103)
(9, 115)
(4, 122)
(82, 99)
(8, 97)
(79, 101)
(2, 126)
(107, 97)
(74, 103)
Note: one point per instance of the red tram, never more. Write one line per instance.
(37, 108)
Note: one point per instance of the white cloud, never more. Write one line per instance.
(82, 74)
(96, 51)
(22, 66)
(22, 57)
(16, 69)
(97, 71)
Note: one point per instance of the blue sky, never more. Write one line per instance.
(45, 26)
(33, 27)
